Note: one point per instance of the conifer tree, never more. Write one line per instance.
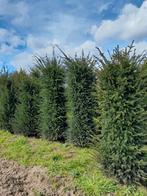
(81, 100)
(7, 100)
(52, 98)
(122, 116)
(27, 110)
(143, 73)
(3, 99)
(11, 102)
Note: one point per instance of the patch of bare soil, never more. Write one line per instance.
(16, 180)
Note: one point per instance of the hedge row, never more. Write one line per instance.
(83, 101)
(54, 100)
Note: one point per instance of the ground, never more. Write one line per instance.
(33, 181)
(36, 167)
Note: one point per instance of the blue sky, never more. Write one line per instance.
(33, 27)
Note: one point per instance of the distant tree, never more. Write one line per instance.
(52, 98)
(81, 80)
(122, 116)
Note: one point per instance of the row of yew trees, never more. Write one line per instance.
(85, 101)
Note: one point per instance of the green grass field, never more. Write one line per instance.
(65, 160)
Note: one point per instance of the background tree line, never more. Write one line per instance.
(85, 101)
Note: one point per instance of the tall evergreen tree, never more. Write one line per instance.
(11, 102)
(143, 74)
(7, 100)
(81, 100)
(27, 110)
(3, 99)
(122, 116)
(52, 106)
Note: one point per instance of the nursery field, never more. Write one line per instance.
(64, 169)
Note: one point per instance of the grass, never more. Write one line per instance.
(65, 160)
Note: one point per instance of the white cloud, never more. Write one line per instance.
(26, 59)
(4, 48)
(18, 11)
(9, 41)
(87, 46)
(67, 27)
(22, 14)
(23, 60)
(103, 7)
(141, 47)
(130, 24)
(36, 46)
(39, 42)
(41, 31)
(36, 42)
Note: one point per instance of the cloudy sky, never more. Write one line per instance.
(32, 27)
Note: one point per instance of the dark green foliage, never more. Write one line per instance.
(3, 99)
(143, 73)
(143, 89)
(18, 77)
(7, 100)
(52, 106)
(122, 116)
(27, 110)
(81, 100)
(11, 103)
